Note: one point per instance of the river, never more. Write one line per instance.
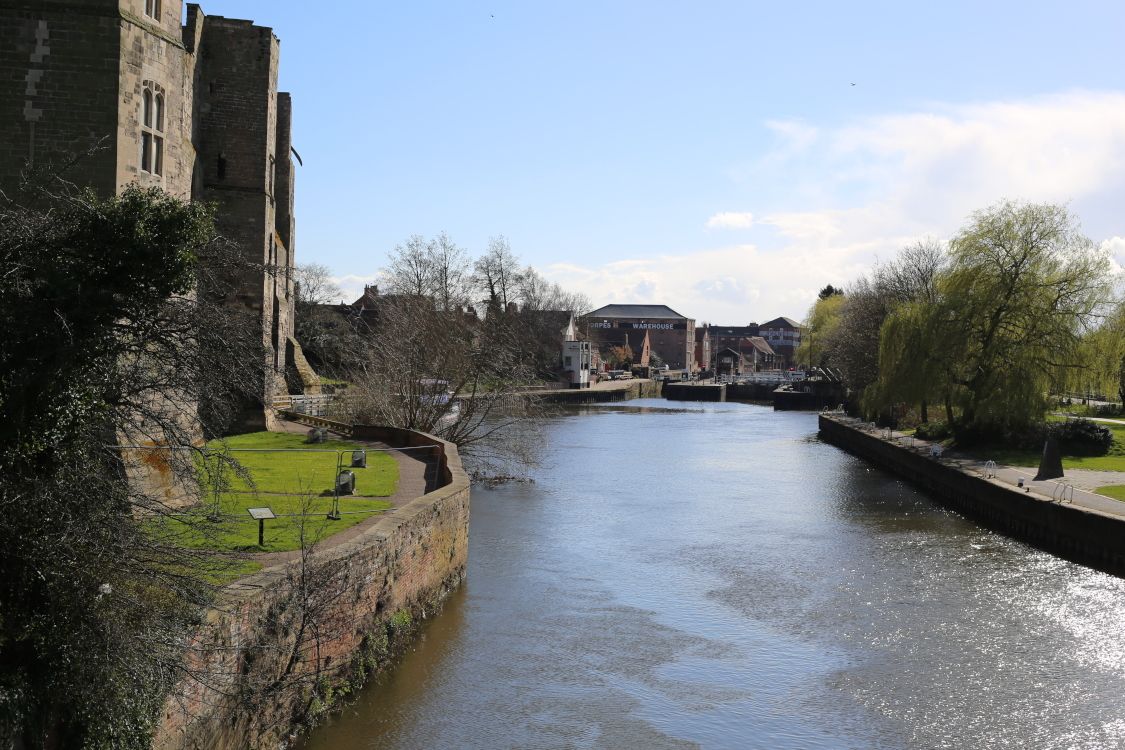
(713, 576)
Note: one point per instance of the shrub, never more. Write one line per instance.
(1026, 437)
(1081, 437)
(932, 431)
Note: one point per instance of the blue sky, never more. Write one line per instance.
(714, 158)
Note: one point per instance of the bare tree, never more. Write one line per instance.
(912, 276)
(119, 324)
(410, 272)
(328, 332)
(315, 286)
(436, 269)
(445, 373)
(497, 274)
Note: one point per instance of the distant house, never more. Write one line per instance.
(753, 354)
(759, 355)
(728, 362)
(784, 337)
(671, 336)
(636, 345)
(730, 336)
(577, 362)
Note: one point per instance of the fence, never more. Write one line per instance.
(313, 406)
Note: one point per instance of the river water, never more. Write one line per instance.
(713, 576)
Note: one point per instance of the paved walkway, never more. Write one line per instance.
(417, 475)
(1073, 488)
(1107, 420)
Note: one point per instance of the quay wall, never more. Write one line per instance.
(280, 647)
(1077, 533)
(695, 392)
(750, 391)
(629, 389)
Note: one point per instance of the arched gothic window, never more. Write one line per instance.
(152, 129)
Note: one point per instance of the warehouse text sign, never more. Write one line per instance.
(642, 326)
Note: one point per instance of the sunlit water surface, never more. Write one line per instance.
(714, 576)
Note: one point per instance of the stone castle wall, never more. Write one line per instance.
(46, 117)
(72, 78)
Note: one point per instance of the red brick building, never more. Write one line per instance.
(671, 335)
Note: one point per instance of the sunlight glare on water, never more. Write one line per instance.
(714, 576)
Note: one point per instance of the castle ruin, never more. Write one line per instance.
(192, 108)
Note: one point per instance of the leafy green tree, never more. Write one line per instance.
(1005, 321)
(852, 342)
(115, 331)
(918, 349)
(820, 325)
(1104, 353)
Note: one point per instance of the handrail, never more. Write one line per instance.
(1061, 492)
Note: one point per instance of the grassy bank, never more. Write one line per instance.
(1112, 461)
(282, 472)
(1116, 491)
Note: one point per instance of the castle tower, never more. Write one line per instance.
(193, 110)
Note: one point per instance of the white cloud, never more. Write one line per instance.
(959, 158)
(794, 136)
(731, 220)
(735, 284)
(1116, 248)
(839, 198)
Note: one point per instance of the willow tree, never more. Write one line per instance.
(853, 343)
(1005, 324)
(1104, 353)
(919, 345)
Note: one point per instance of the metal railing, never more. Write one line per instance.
(1063, 493)
(315, 406)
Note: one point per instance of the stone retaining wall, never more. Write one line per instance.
(1077, 533)
(283, 645)
(637, 388)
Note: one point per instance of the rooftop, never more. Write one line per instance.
(646, 312)
(782, 321)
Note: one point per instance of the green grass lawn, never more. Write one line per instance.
(1112, 461)
(304, 472)
(297, 486)
(1116, 491)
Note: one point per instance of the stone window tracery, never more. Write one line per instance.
(152, 9)
(152, 129)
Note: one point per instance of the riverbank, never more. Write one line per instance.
(284, 645)
(604, 392)
(767, 590)
(1060, 519)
